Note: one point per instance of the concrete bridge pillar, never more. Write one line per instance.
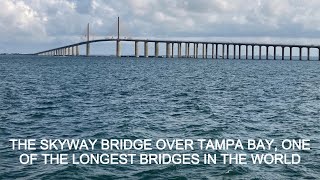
(234, 51)
(319, 53)
(260, 52)
(252, 51)
(275, 52)
(203, 50)
(239, 51)
(156, 49)
(300, 53)
(217, 51)
(197, 50)
(179, 50)
(146, 49)
(186, 50)
(168, 50)
(282, 53)
(206, 52)
(88, 49)
(118, 49)
(136, 49)
(212, 50)
(267, 52)
(77, 50)
(222, 51)
(72, 50)
(308, 53)
(290, 53)
(246, 51)
(227, 51)
(172, 50)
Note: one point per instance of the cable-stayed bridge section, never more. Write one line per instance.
(219, 50)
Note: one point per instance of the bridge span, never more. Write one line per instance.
(219, 50)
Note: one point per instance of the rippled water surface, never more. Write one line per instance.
(78, 97)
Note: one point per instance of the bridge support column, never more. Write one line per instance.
(212, 48)
(239, 51)
(77, 51)
(168, 50)
(308, 53)
(118, 49)
(179, 50)
(267, 52)
(72, 50)
(282, 52)
(136, 49)
(234, 51)
(203, 50)
(319, 54)
(275, 52)
(172, 50)
(217, 51)
(300, 53)
(290, 53)
(87, 49)
(222, 51)
(146, 54)
(227, 51)
(252, 51)
(156, 49)
(260, 52)
(197, 50)
(186, 50)
(206, 52)
(246, 51)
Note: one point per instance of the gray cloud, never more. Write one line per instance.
(56, 22)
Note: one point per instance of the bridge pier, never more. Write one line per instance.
(172, 50)
(308, 54)
(246, 51)
(168, 50)
(319, 54)
(197, 50)
(77, 51)
(212, 51)
(227, 51)
(223, 51)
(282, 52)
(136, 49)
(118, 50)
(217, 51)
(146, 49)
(267, 52)
(275, 52)
(156, 49)
(290, 53)
(234, 51)
(179, 50)
(260, 52)
(239, 51)
(203, 50)
(252, 51)
(300, 53)
(186, 50)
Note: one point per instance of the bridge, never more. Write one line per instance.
(219, 50)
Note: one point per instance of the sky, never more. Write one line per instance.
(28, 26)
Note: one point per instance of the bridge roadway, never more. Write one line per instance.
(224, 53)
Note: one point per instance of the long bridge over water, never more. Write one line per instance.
(219, 50)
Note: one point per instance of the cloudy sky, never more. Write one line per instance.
(34, 25)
